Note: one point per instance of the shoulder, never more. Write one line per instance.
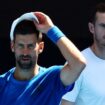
(87, 53)
(55, 68)
(85, 50)
(6, 75)
(51, 70)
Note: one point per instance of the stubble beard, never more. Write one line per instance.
(25, 66)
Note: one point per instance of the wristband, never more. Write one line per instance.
(55, 34)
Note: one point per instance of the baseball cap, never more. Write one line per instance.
(27, 16)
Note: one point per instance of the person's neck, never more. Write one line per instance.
(26, 74)
(98, 51)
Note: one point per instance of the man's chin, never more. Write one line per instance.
(25, 66)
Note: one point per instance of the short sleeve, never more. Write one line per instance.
(72, 95)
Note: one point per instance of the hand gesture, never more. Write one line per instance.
(45, 23)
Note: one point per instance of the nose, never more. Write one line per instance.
(26, 51)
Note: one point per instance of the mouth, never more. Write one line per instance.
(25, 59)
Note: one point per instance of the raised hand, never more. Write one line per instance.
(45, 23)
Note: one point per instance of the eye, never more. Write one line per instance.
(20, 46)
(102, 25)
(31, 46)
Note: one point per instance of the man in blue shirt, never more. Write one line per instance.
(28, 83)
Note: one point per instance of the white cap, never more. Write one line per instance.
(27, 16)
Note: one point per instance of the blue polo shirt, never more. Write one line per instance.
(44, 89)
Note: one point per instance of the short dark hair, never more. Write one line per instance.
(27, 27)
(98, 8)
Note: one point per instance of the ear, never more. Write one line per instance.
(12, 46)
(41, 47)
(91, 27)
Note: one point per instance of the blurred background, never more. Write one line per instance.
(71, 16)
